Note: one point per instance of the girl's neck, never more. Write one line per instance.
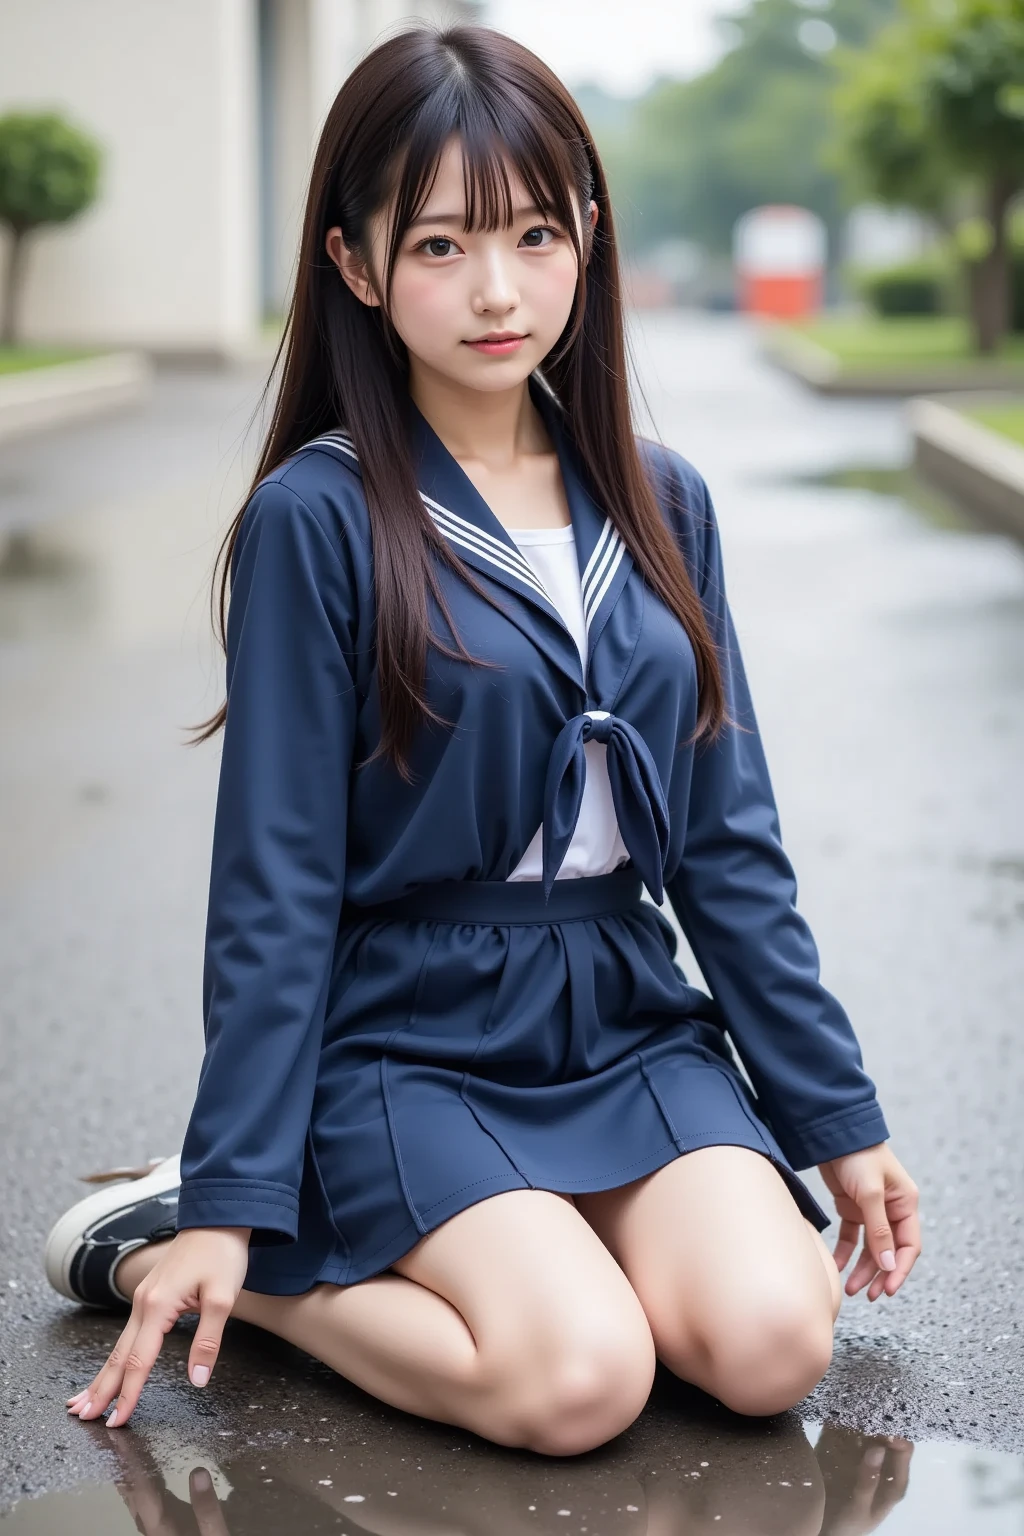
(490, 427)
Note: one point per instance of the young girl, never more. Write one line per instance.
(463, 1128)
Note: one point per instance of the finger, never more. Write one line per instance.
(899, 1464)
(158, 1319)
(877, 1231)
(863, 1271)
(79, 1397)
(205, 1504)
(214, 1311)
(908, 1251)
(866, 1481)
(906, 1257)
(135, 1461)
(846, 1245)
(106, 1384)
(148, 1503)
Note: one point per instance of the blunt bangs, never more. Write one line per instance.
(497, 129)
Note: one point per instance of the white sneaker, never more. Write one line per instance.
(136, 1206)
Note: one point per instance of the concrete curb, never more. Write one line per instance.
(801, 357)
(979, 468)
(822, 371)
(38, 398)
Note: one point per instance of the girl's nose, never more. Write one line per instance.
(496, 290)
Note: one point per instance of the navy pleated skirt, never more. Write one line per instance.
(478, 1040)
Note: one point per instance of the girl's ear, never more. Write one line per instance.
(351, 266)
(591, 224)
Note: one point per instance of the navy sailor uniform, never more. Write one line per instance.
(394, 1029)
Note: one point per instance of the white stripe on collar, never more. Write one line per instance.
(597, 596)
(596, 567)
(605, 531)
(456, 537)
(487, 539)
(458, 530)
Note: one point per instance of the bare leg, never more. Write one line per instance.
(531, 1366)
(390, 1336)
(740, 1292)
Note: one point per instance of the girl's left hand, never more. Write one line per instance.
(874, 1191)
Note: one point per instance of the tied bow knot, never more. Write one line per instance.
(637, 795)
(597, 726)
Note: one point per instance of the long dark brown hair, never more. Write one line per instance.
(344, 364)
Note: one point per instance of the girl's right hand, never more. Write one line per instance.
(201, 1269)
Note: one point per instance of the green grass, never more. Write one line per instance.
(909, 342)
(18, 359)
(903, 483)
(1007, 419)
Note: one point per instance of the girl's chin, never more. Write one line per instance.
(487, 374)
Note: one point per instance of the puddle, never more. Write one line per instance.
(777, 1481)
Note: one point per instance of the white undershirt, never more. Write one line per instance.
(596, 847)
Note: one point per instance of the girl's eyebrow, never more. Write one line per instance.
(454, 218)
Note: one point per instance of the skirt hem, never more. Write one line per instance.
(272, 1279)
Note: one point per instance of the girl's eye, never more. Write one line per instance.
(434, 240)
(539, 229)
(440, 246)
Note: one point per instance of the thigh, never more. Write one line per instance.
(711, 1238)
(531, 1277)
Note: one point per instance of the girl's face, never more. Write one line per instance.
(454, 288)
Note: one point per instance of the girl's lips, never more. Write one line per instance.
(497, 348)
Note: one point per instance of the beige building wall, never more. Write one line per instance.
(193, 235)
(309, 46)
(164, 258)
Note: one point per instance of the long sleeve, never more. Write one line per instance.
(277, 870)
(734, 893)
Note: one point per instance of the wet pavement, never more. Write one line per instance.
(689, 1480)
(885, 645)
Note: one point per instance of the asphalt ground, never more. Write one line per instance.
(885, 648)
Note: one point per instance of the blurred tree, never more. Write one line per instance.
(937, 103)
(885, 146)
(696, 154)
(973, 71)
(49, 172)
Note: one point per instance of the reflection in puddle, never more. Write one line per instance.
(777, 1481)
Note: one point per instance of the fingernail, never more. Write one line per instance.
(887, 1259)
(112, 1418)
(875, 1456)
(84, 1408)
(201, 1479)
(200, 1375)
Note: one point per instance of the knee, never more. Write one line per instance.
(763, 1362)
(584, 1396)
(773, 1360)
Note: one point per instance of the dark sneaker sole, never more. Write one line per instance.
(69, 1238)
